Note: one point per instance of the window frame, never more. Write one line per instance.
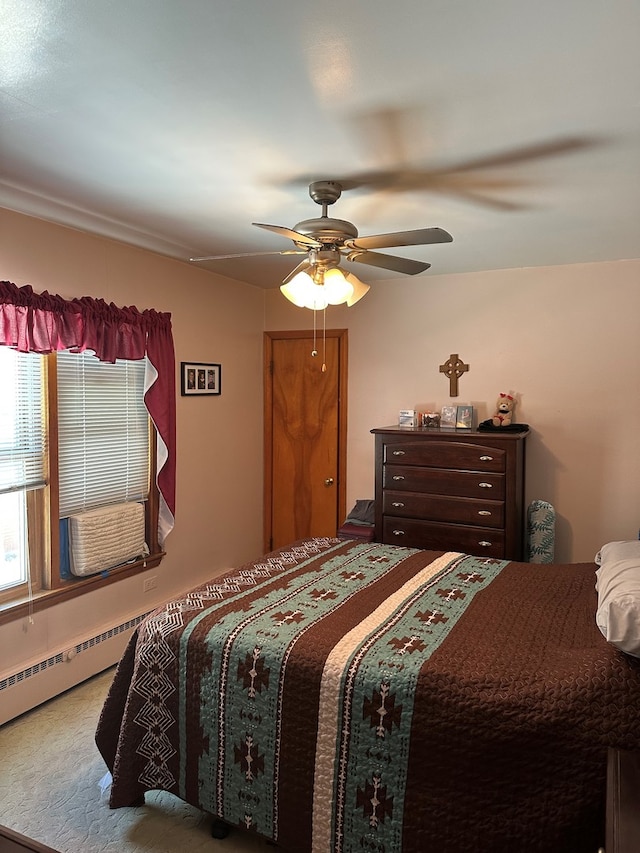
(48, 588)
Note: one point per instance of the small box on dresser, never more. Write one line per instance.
(450, 490)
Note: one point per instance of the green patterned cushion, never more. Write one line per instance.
(541, 531)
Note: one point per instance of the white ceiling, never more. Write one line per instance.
(175, 125)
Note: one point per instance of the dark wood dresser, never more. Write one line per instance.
(452, 490)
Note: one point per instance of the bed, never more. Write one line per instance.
(340, 695)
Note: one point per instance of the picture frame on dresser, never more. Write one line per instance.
(464, 417)
(448, 417)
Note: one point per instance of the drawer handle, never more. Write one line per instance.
(398, 532)
(397, 503)
(398, 477)
(486, 458)
(398, 452)
(484, 512)
(486, 485)
(484, 544)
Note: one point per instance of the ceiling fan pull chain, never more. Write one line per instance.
(324, 341)
(314, 351)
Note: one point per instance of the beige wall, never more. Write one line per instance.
(219, 439)
(566, 339)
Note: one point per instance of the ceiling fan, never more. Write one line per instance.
(326, 241)
(391, 132)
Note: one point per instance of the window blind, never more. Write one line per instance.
(103, 432)
(22, 428)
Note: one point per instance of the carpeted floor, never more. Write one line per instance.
(50, 774)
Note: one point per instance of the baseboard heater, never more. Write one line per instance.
(69, 653)
(60, 670)
(103, 538)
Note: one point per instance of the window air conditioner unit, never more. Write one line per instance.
(106, 537)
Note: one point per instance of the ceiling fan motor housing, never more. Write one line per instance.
(327, 231)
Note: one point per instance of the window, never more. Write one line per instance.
(14, 565)
(103, 431)
(22, 461)
(74, 435)
(43, 323)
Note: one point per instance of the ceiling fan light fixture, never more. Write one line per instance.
(323, 287)
(338, 288)
(359, 289)
(296, 288)
(316, 298)
(304, 292)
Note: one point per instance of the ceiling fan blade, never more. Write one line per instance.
(247, 255)
(418, 237)
(551, 148)
(388, 262)
(480, 198)
(296, 236)
(404, 177)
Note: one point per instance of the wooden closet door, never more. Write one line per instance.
(305, 431)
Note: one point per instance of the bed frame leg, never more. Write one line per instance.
(219, 829)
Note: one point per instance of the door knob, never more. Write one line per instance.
(329, 481)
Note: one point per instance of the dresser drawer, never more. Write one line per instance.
(442, 508)
(447, 454)
(438, 481)
(443, 537)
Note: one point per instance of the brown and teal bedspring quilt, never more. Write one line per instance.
(349, 696)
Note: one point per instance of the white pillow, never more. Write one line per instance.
(618, 587)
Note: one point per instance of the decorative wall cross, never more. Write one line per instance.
(453, 367)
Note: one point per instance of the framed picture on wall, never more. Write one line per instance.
(199, 379)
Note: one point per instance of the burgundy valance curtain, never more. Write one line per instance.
(44, 322)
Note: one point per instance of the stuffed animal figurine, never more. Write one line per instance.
(504, 410)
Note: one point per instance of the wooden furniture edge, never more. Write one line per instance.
(14, 842)
(623, 802)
